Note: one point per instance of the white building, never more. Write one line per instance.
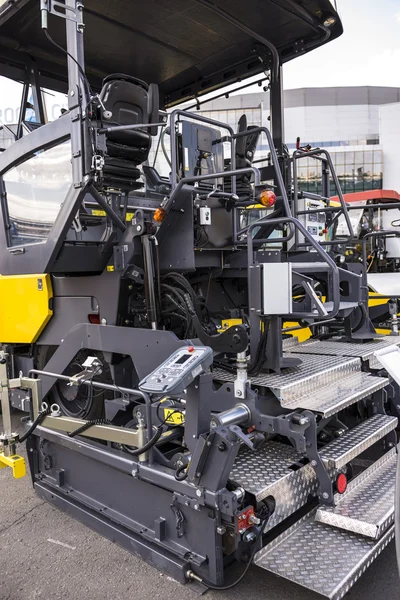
(345, 120)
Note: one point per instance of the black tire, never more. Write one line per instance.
(82, 402)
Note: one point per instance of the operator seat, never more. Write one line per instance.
(127, 101)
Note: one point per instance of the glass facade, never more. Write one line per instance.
(357, 171)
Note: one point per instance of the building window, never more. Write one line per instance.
(356, 171)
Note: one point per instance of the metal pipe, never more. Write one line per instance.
(198, 178)
(107, 386)
(173, 120)
(256, 36)
(376, 234)
(130, 127)
(233, 416)
(275, 162)
(107, 208)
(300, 154)
(325, 257)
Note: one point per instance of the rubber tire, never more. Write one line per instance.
(96, 411)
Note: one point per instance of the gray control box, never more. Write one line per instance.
(178, 371)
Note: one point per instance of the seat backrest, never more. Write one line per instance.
(130, 100)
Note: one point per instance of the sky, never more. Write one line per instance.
(367, 53)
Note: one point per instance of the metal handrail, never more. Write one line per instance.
(275, 162)
(325, 257)
(376, 234)
(173, 120)
(316, 153)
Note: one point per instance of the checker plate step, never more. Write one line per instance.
(335, 347)
(314, 372)
(340, 394)
(354, 441)
(273, 470)
(321, 558)
(367, 506)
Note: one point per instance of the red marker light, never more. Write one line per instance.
(341, 483)
(190, 349)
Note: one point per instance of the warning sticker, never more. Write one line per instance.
(170, 416)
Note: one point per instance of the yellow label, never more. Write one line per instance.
(129, 216)
(170, 416)
(110, 268)
(98, 213)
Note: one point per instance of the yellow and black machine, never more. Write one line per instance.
(144, 314)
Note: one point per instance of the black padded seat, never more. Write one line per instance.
(128, 101)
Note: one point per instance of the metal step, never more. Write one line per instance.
(335, 347)
(367, 506)
(340, 394)
(354, 441)
(274, 471)
(321, 558)
(315, 372)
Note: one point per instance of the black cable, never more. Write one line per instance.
(82, 72)
(211, 586)
(41, 417)
(181, 473)
(87, 425)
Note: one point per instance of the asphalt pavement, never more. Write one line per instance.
(44, 554)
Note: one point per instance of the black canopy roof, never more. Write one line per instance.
(183, 45)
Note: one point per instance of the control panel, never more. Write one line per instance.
(313, 221)
(178, 371)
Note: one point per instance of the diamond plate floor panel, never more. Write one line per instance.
(340, 394)
(270, 472)
(333, 347)
(367, 506)
(354, 441)
(321, 558)
(313, 373)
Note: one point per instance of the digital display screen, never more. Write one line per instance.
(182, 359)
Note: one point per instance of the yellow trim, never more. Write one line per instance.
(24, 307)
(16, 463)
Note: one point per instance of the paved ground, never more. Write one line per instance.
(46, 555)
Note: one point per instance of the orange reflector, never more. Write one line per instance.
(159, 215)
(267, 198)
(341, 483)
(94, 319)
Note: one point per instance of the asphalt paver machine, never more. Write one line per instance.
(142, 312)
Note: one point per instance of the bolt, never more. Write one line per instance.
(104, 321)
(221, 530)
(254, 520)
(197, 507)
(198, 474)
(238, 393)
(138, 228)
(249, 536)
(325, 496)
(72, 93)
(208, 443)
(198, 493)
(222, 447)
(314, 463)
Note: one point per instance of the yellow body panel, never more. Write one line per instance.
(24, 307)
(15, 462)
(302, 334)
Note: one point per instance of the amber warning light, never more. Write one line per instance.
(267, 198)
